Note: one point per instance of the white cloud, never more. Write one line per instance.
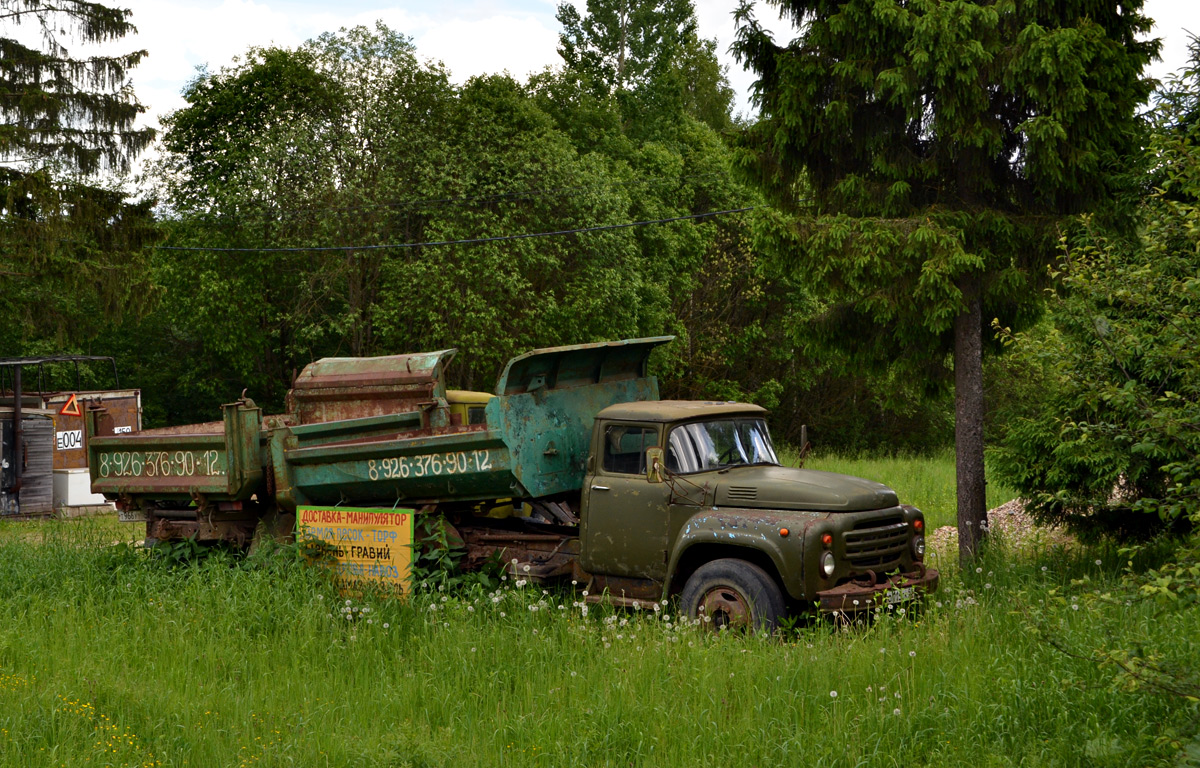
(519, 45)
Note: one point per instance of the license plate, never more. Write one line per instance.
(901, 595)
(131, 516)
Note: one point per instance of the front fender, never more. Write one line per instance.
(746, 529)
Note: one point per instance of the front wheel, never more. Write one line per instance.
(733, 593)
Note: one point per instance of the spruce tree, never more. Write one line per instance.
(70, 244)
(930, 151)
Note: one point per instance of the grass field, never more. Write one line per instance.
(110, 657)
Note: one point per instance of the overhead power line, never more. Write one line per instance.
(464, 201)
(472, 241)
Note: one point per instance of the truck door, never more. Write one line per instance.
(624, 516)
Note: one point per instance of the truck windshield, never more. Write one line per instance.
(707, 445)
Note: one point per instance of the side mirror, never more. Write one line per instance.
(654, 465)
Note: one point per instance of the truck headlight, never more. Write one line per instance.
(918, 547)
(827, 564)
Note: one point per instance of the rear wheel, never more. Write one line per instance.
(733, 593)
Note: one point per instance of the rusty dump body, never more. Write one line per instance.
(573, 467)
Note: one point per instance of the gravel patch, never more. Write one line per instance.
(1010, 523)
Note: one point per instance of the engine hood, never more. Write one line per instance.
(808, 489)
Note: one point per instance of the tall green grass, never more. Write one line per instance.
(109, 657)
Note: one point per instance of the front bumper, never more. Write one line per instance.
(869, 590)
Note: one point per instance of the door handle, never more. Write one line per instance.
(599, 487)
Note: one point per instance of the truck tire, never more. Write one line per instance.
(733, 593)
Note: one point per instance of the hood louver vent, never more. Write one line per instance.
(743, 493)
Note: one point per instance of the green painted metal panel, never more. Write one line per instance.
(224, 465)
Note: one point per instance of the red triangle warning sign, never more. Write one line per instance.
(71, 408)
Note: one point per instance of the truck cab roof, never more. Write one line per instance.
(678, 410)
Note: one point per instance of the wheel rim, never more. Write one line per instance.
(726, 607)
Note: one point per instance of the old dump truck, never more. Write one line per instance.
(573, 469)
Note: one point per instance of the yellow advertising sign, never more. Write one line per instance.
(367, 544)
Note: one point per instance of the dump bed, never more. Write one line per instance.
(379, 431)
(534, 441)
(221, 461)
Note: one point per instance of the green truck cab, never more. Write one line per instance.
(573, 469)
(691, 497)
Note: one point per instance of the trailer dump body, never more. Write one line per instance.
(380, 431)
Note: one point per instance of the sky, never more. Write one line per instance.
(470, 37)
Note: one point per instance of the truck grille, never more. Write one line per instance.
(877, 543)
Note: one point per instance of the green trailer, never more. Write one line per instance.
(573, 470)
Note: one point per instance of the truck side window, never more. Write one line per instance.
(625, 448)
(475, 415)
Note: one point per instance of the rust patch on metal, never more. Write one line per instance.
(869, 590)
(235, 532)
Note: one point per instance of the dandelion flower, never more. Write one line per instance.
(832, 694)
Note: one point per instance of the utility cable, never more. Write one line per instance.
(473, 241)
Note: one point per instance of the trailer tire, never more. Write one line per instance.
(735, 594)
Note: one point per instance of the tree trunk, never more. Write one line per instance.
(968, 421)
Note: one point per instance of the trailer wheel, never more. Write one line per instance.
(735, 594)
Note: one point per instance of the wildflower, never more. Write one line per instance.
(347, 602)
(912, 654)
(352, 637)
(979, 570)
(502, 614)
(520, 583)
(573, 673)
(988, 585)
(896, 711)
(585, 593)
(832, 694)
(1098, 562)
(1074, 606)
(525, 568)
(319, 597)
(472, 649)
(1043, 569)
(470, 609)
(386, 625)
(574, 583)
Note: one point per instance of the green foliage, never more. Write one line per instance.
(71, 258)
(648, 56)
(63, 111)
(438, 551)
(1118, 428)
(931, 141)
